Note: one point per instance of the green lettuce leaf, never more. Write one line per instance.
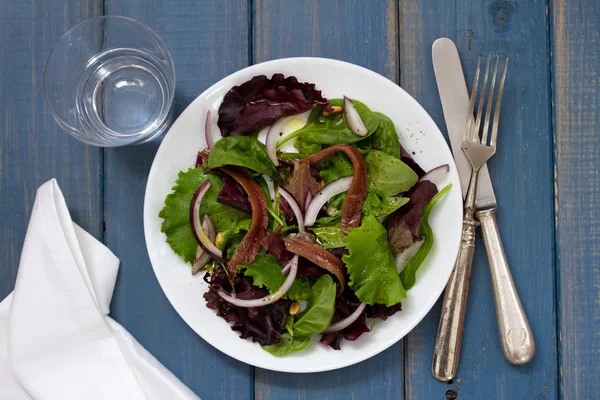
(384, 138)
(371, 264)
(329, 220)
(288, 344)
(264, 187)
(233, 241)
(243, 151)
(176, 212)
(227, 235)
(317, 316)
(265, 271)
(338, 166)
(388, 175)
(380, 206)
(315, 319)
(334, 205)
(330, 237)
(333, 129)
(376, 204)
(409, 273)
(229, 240)
(289, 325)
(304, 148)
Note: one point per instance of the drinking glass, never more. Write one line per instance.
(110, 81)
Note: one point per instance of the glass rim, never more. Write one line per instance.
(57, 118)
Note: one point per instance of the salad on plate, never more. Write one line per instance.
(305, 215)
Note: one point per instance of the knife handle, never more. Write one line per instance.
(446, 352)
(515, 333)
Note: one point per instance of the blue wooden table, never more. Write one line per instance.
(545, 173)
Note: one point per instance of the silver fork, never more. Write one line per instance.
(475, 145)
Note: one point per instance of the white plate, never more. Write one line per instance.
(418, 134)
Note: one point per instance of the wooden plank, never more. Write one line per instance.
(575, 28)
(208, 40)
(33, 148)
(364, 33)
(522, 175)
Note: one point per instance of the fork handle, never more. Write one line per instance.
(515, 333)
(449, 337)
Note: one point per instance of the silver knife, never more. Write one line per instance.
(515, 333)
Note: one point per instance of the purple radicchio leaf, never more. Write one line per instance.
(261, 101)
(405, 223)
(344, 306)
(263, 325)
(407, 159)
(233, 195)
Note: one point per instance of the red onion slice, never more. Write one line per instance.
(210, 141)
(209, 228)
(201, 263)
(271, 188)
(309, 197)
(346, 322)
(199, 161)
(403, 258)
(336, 187)
(202, 257)
(295, 208)
(286, 269)
(436, 175)
(272, 298)
(201, 236)
(353, 119)
(273, 135)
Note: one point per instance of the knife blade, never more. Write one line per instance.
(455, 104)
(517, 340)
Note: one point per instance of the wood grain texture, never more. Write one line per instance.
(33, 149)
(208, 41)
(364, 33)
(521, 172)
(575, 29)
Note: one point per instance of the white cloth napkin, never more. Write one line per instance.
(56, 339)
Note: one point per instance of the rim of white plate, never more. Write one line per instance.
(174, 275)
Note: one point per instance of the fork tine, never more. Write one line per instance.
(469, 130)
(488, 111)
(481, 99)
(498, 102)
